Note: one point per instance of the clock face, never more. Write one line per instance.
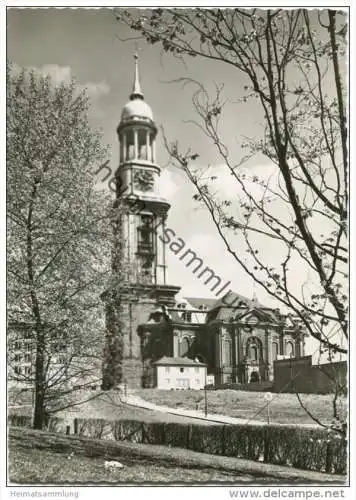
(143, 180)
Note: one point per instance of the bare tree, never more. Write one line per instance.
(293, 60)
(58, 240)
(293, 63)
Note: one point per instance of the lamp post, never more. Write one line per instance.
(268, 398)
(199, 358)
(205, 394)
(33, 404)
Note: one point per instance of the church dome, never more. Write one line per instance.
(136, 108)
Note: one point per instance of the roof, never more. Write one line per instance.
(231, 299)
(136, 108)
(167, 361)
(233, 305)
(174, 320)
(196, 302)
(236, 300)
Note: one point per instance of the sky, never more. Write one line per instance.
(88, 45)
(85, 44)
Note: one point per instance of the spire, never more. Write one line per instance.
(136, 89)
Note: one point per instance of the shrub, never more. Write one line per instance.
(245, 441)
(207, 439)
(108, 431)
(91, 427)
(310, 449)
(300, 447)
(177, 434)
(128, 430)
(19, 420)
(56, 424)
(338, 452)
(153, 433)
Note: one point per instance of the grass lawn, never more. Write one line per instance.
(37, 457)
(42, 466)
(284, 408)
(142, 463)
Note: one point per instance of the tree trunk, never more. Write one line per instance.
(39, 418)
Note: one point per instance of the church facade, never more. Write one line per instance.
(237, 338)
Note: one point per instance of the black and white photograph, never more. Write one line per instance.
(177, 270)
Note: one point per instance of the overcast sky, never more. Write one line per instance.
(85, 44)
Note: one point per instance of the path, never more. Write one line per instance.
(113, 406)
(137, 401)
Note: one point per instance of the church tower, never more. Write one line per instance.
(138, 186)
(139, 263)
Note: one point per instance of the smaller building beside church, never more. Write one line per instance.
(179, 373)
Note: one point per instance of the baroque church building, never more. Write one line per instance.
(146, 318)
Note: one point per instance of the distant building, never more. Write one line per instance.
(64, 368)
(20, 356)
(179, 373)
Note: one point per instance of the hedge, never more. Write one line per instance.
(128, 430)
(153, 433)
(90, 427)
(19, 420)
(246, 441)
(299, 447)
(209, 440)
(303, 448)
(55, 424)
(177, 435)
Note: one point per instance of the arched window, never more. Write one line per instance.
(254, 349)
(145, 235)
(289, 349)
(274, 351)
(184, 347)
(130, 146)
(253, 353)
(142, 145)
(227, 352)
(122, 157)
(255, 377)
